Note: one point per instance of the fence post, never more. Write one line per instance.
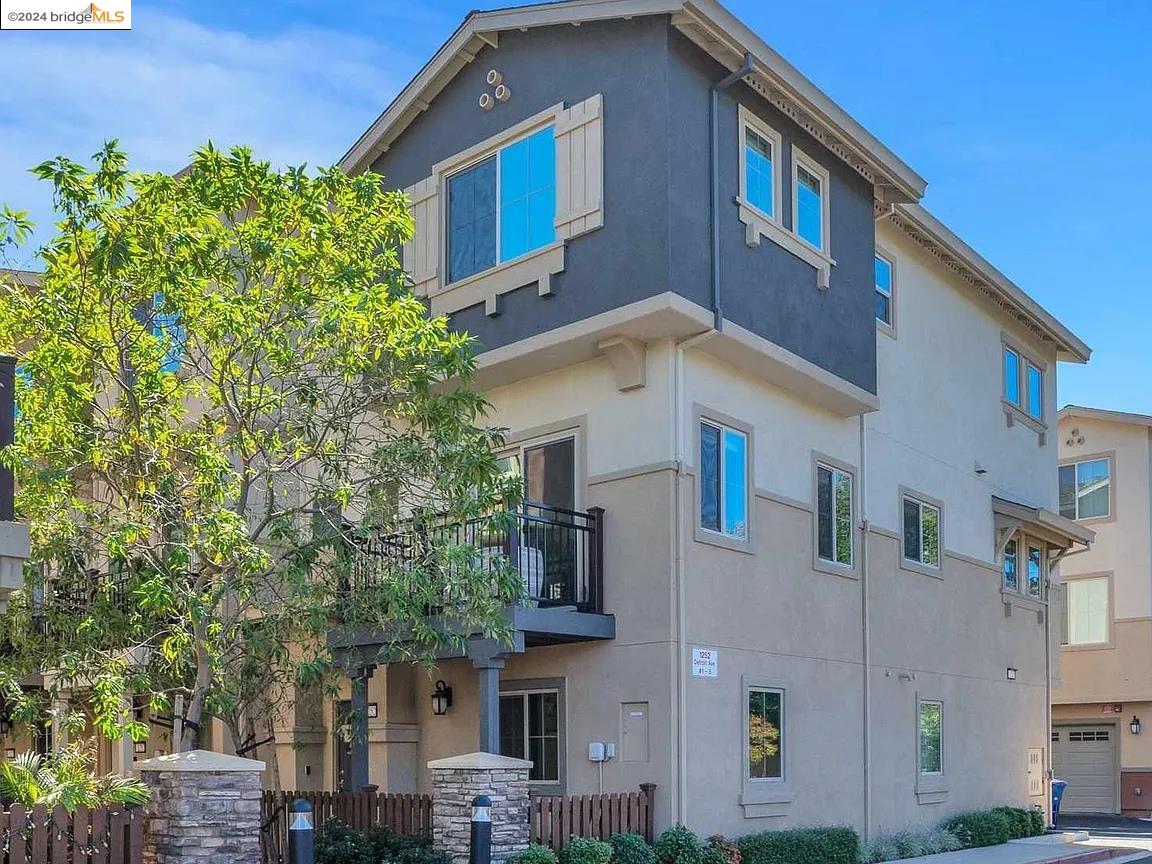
(457, 780)
(649, 790)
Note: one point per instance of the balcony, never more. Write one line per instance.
(558, 554)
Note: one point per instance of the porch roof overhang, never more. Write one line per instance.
(1039, 522)
(708, 24)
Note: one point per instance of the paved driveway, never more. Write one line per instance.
(1104, 825)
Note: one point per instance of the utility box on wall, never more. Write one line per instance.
(633, 731)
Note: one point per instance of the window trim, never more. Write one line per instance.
(525, 686)
(1110, 617)
(911, 563)
(932, 788)
(758, 224)
(765, 796)
(887, 327)
(1025, 359)
(700, 415)
(852, 571)
(748, 120)
(537, 436)
(802, 159)
(1110, 456)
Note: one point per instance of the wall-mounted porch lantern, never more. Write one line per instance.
(441, 699)
(1135, 725)
(5, 725)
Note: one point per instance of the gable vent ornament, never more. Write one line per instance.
(1074, 438)
(495, 79)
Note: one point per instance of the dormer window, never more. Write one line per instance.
(502, 207)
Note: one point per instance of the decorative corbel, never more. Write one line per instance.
(628, 358)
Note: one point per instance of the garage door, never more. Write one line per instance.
(1085, 756)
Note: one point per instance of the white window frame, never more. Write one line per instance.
(723, 422)
(748, 691)
(1109, 614)
(1075, 464)
(802, 159)
(822, 461)
(748, 120)
(889, 326)
(492, 153)
(918, 565)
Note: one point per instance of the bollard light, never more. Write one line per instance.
(480, 845)
(301, 837)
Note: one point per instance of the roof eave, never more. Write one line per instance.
(1104, 414)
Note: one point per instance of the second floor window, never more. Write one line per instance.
(503, 207)
(883, 290)
(921, 532)
(1087, 610)
(723, 480)
(1035, 571)
(166, 327)
(759, 175)
(834, 529)
(809, 194)
(1023, 383)
(1086, 489)
(1011, 376)
(1011, 575)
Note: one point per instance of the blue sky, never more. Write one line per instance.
(1031, 120)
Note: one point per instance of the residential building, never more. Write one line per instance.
(778, 428)
(14, 544)
(1104, 693)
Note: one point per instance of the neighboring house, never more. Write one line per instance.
(778, 426)
(14, 547)
(1102, 706)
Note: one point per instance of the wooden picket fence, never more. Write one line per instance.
(102, 835)
(555, 819)
(405, 814)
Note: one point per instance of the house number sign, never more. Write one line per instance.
(704, 663)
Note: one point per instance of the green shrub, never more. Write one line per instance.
(536, 853)
(336, 843)
(907, 844)
(628, 849)
(712, 855)
(585, 850)
(1036, 822)
(879, 849)
(678, 845)
(802, 846)
(981, 828)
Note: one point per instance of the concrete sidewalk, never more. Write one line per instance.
(1050, 849)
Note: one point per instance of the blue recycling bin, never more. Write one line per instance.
(1058, 787)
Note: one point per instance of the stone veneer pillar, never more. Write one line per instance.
(457, 780)
(205, 807)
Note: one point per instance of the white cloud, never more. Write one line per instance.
(170, 84)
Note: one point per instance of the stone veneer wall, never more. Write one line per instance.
(457, 780)
(205, 807)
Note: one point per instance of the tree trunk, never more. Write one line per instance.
(194, 712)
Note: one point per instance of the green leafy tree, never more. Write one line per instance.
(226, 383)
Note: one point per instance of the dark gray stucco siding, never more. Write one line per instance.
(627, 259)
(766, 289)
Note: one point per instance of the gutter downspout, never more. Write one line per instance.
(680, 648)
(714, 154)
(865, 628)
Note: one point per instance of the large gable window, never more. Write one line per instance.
(502, 207)
(1086, 489)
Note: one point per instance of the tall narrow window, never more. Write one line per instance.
(931, 734)
(1035, 391)
(1087, 610)
(834, 528)
(921, 532)
(723, 480)
(1035, 571)
(1011, 376)
(166, 327)
(1011, 576)
(883, 290)
(759, 176)
(765, 734)
(502, 207)
(809, 215)
(1086, 489)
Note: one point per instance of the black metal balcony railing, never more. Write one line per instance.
(558, 553)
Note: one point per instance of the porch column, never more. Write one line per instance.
(359, 768)
(488, 658)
